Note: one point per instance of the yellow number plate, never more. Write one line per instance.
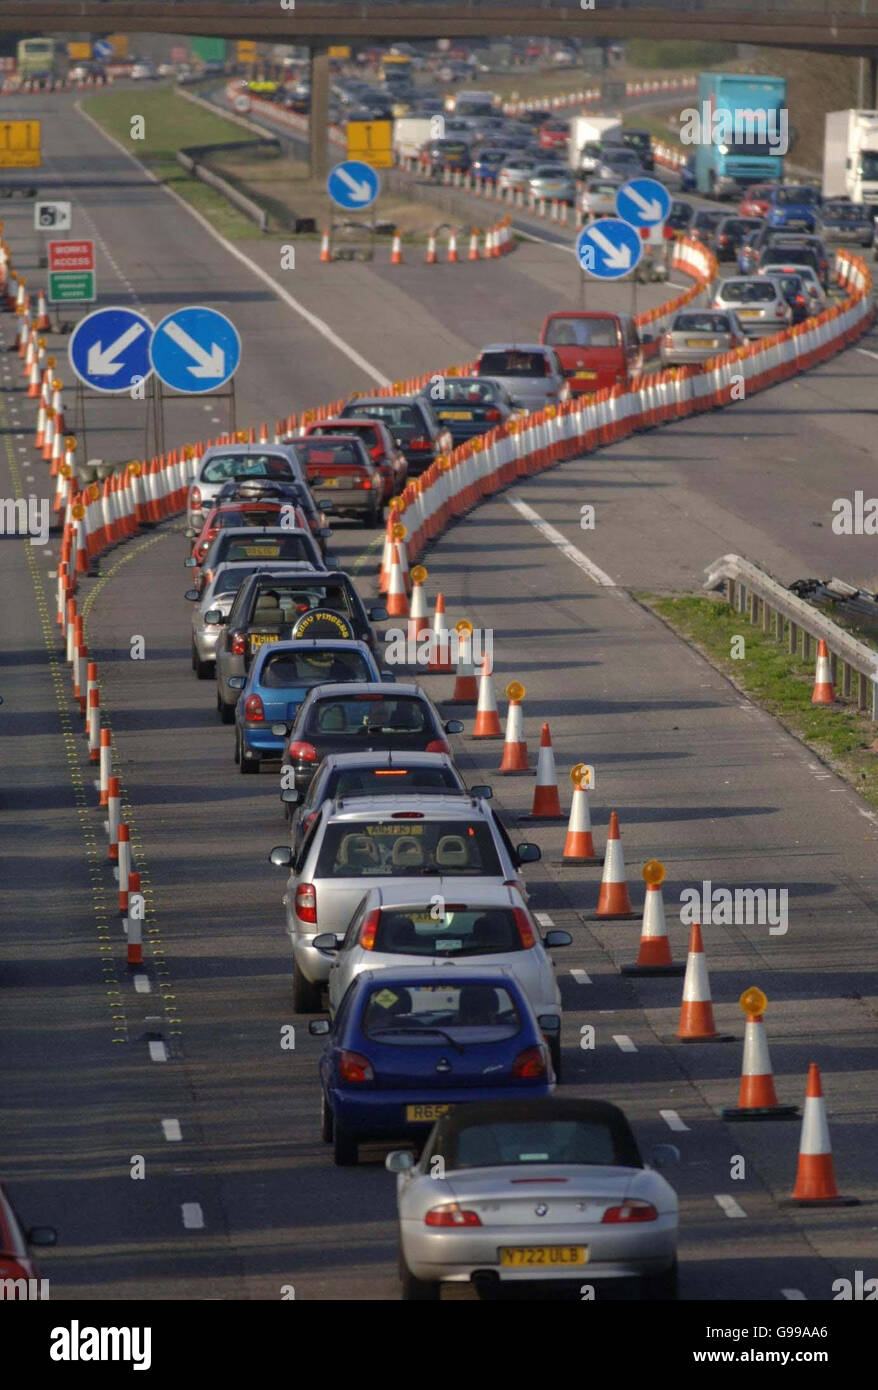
(425, 1114)
(455, 414)
(702, 342)
(258, 638)
(748, 313)
(543, 1255)
(330, 482)
(585, 376)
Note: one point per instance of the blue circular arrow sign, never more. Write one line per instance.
(643, 202)
(353, 184)
(608, 248)
(195, 350)
(109, 349)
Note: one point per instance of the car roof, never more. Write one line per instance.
(413, 974)
(387, 758)
(334, 643)
(244, 449)
(550, 1108)
(383, 400)
(482, 894)
(447, 806)
(514, 347)
(587, 314)
(264, 531)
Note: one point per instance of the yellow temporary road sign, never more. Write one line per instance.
(20, 145)
(341, 51)
(246, 51)
(371, 141)
(79, 51)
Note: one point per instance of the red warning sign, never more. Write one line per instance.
(71, 255)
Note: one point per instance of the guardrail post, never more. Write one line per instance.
(862, 699)
(794, 639)
(767, 615)
(874, 698)
(730, 592)
(845, 679)
(806, 644)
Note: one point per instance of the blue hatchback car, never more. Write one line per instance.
(279, 678)
(793, 207)
(408, 1044)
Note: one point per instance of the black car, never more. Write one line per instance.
(467, 406)
(730, 233)
(680, 215)
(640, 141)
(848, 224)
(704, 224)
(412, 423)
(362, 716)
(262, 545)
(440, 155)
(796, 241)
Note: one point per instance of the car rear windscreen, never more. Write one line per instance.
(399, 848)
(537, 1141)
(311, 666)
(390, 781)
(513, 363)
(737, 292)
(357, 716)
(455, 930)
(396, 417)
(789, 255)
(413, 1013)
(700, 323)
(330, 451)
(287, 547)
(224, 467)
(574, 332)
(289, 600)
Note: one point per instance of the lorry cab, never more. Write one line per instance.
(595, 348)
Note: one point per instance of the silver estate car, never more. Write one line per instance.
(225, 463)
(490, 926)
(218, 594)
(698, 334)
(535, 1191)
(531, 373)
(757, 302)
(442, 845)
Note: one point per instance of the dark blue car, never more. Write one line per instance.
(793, 207)
(280, 676)
(409, 1043)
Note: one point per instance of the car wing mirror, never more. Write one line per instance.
(192, 595)
(326, 941)
(378, 615)
(482, 790)
(191, 563)
(665, 1155)
(289, 794)
(453, 726)
(319, 1027)
(214, 616)
(281, 857)
(554, 939)
(236, 682)
(399, 1161)
(528, 853)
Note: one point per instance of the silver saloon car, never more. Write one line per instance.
(757, 303)
(531, 373)
(698, 334)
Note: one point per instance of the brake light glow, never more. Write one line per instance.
(237, 643)
(253, 709)
(530, 1065)
(525, 930)
(452, 1214)
(369, 930)
(390, 772)
(353, 1066)
(420, 444)
(407, 815)
(635, 1209)
(437, 745)
(306, 903)
(303, 752)
(492, 414)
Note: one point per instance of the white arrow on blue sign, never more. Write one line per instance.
(643, 202)
(608, 248)
(109, 349)
(195, 350)
(102, 48)
(353, 184)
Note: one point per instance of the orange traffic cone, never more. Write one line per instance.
(43, 322)
(696, 1012)
(579, 844)
(419, 621)
(440, 655)
(546, 803)
(613, 900)
(474, 245)
(453, 257)
(654, 956)
(396, 250)
(431, 257)
(514, 761)
(396, 602)
(487, 723)
(466, 691)
(824, 689)
(325, 253)
(757, 1098)
(815, 1177)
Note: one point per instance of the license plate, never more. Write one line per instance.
(585, 376)
(260, 552)
(425, 1114)
(257, 639)
(702, 342)
(543, 1255)
(329, 482)
(455, 414)
(748, 313)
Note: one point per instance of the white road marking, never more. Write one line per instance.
(728, 1205)
(867, 353)
(673, 1121)
(544, 919)
(562, 543)
(158, 1052)
(580, 977)
(794, 1295)
(172, 1131)
(142, 984)
(193, 1216)
(316, 323)
(624, 1043)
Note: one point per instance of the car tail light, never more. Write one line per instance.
(376, 452)
(452, 1214)
(525, 930)
(420, 444)
(530, 1064)
(309, 821)
(353, 1066)
(669, 339)
(437, 745)
(195, 498)
(368, 483)
(800, 299)
(303, 752)
(253, 709)
(306, 903)
(635, 1209)
(780, 312)
(237, 643)
(369, 930)
(492, 414)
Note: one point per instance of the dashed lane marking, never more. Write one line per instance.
(580, 977)
(728, 1205)
(158, 1052)
(673, 1121)
(193, 1216)
(572, 552)
(794, 1295)
(624, 1043)
(172, 1131)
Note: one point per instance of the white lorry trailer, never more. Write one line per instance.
(587, 134)
(850, 156)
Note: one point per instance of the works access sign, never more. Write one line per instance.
(72, 272)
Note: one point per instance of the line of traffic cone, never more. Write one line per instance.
(419, 621)
(466, 689)
(487, 723)
(757, 1098)
(614, 903)
(654, 956)
(824, 687)
(696, 1011)
(815, 1175)
(579, 841)
(546, 805)
(440, 654)
(396, 250)
(325, 251)
(396, 601)
(514, 762)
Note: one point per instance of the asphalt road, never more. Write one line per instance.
(699, 778)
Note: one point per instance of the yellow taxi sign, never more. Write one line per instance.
(418, 574)
(20, 145)
(371, 141)
(753, 1002)
(582, 775)
(515, 691)
(653, 872)
(464, 628)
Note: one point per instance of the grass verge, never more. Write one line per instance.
(777, 681)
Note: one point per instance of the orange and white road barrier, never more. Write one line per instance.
(579, 842)
(134, 920)
(514, 761)
(431, 258)
(114, 816)
(757, 1098)
(80, 661)
(325, 252)
(815, 1177)
(487, 723)
(696, 1012)
(546, 803)
(473, 254)
(106, 762)
(94, 725)
(124, 868)
(453, 256)
(613, 900)
(396, 602)
(824, 688)
(440, 655)
(654, 956)
(396, 250)
(419, 620)
(466, 689)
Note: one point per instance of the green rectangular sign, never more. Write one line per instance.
(72, 285)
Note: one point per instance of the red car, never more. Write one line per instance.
(595, 348)
(755, 202)
(388, 459)
(242, 514)
(16, 1261)
(554, 135)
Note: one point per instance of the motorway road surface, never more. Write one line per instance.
(699, 778)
